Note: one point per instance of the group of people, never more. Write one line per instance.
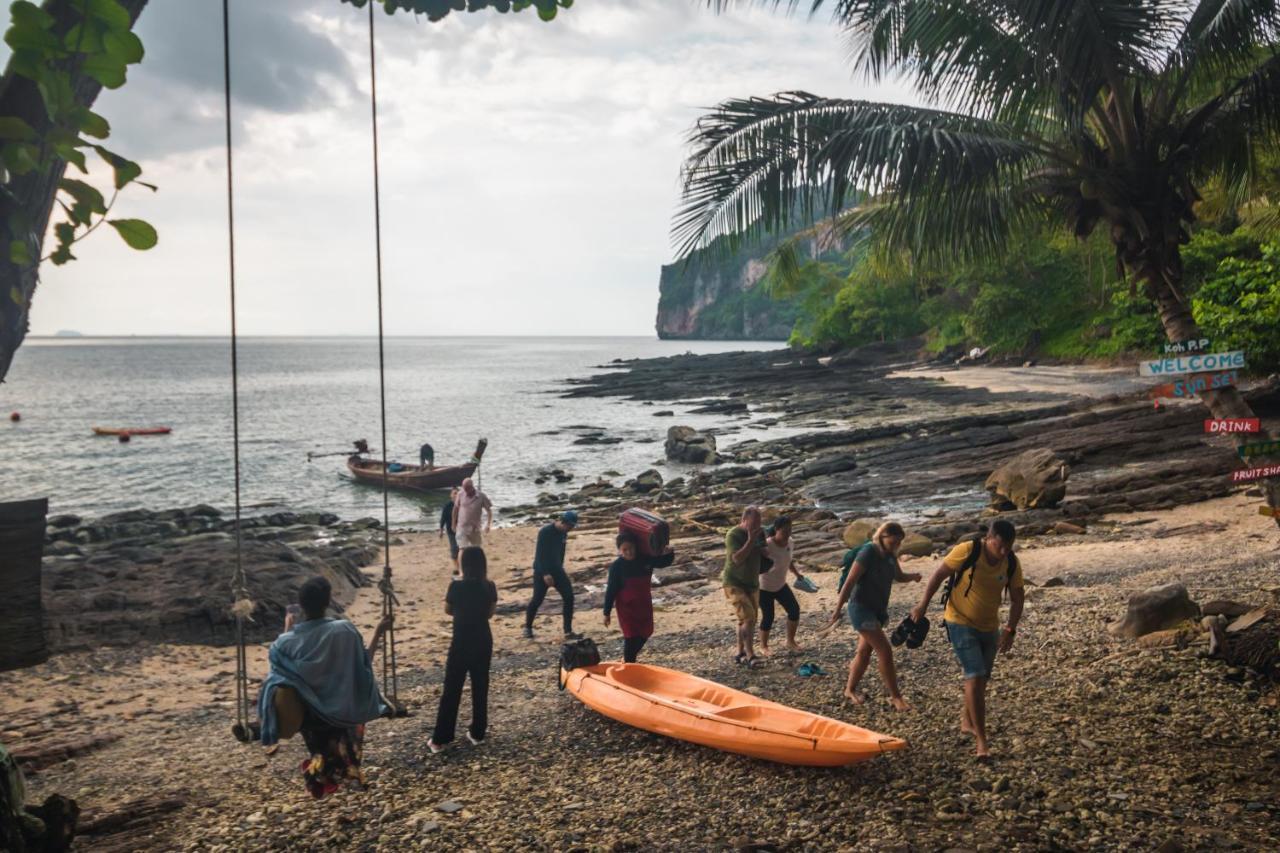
(322, 684)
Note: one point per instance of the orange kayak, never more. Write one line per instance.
(693, 709)
(132, 431)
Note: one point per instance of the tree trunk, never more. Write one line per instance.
(1175, 316)
(33, 194)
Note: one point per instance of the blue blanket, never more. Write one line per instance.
(326, 662)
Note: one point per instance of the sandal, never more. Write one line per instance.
(740, 659)
(753, 662)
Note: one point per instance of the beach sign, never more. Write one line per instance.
(1248, 475)
(1179, 347)
(1186, 388)
(1262, 448)
(1176, 365)
(1222, 426)
(1269, 511)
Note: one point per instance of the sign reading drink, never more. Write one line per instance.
(1193, 363)
(1248, 475)
(1262, 448)
(1196, 345)
(1232, 425)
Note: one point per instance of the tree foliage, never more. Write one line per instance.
(436, 10)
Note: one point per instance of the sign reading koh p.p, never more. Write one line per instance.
(1194, 363)
(1195, 345)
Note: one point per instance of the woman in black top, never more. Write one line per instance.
(471, 601)
(630, 579)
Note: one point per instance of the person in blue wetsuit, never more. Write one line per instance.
(548, 571)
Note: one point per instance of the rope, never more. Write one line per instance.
(390, 677)
(243, 607)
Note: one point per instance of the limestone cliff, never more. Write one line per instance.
(719, 295)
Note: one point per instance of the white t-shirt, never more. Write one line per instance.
(776, 578)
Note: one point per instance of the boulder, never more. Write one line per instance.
(828, 463)
(1217, 607)
(1156, 609)
(686, 444)
(1036, 479)
(916, 545)
(856, 533)
(647, 481)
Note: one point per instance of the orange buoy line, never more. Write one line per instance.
(160, 430)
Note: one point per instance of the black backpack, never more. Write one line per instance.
(971, 560)
(579, 653)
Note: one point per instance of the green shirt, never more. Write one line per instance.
(747, 575)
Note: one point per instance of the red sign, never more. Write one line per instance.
(1195, 384)
(1231, 425)
(1269, 511)
(1248, 475)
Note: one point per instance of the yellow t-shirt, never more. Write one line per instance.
(980, 609)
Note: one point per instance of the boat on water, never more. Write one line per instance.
(157, 430)
(685, 707)
(415, 478)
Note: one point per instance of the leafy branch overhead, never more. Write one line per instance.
(436, 10)
(99, 46)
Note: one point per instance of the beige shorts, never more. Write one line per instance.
(469, 537)
(746, 605)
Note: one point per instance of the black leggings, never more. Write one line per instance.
(563, 586)
(631, 647)
(469, 656)
(786, 598)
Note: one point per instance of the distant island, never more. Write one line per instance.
(68, 333)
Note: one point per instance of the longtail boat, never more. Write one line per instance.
(683, 706)
(158, 430)
(415, 478)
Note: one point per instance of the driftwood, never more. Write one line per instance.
(37, 756)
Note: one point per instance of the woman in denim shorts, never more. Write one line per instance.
(866, 589)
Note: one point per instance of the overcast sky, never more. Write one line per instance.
(529, 170)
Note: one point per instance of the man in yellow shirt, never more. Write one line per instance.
(979, 572)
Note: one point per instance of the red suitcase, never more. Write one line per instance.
(654, 533)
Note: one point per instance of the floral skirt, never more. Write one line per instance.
(335, 758)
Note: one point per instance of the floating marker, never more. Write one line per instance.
(1218, 426)
(1248, 475)
(1195, 363)
(1262, 448)
(1269, 511)
(15, 417)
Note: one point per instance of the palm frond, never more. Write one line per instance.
(762, 164)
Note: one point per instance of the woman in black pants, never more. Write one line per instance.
(773, 585)
(471, 601)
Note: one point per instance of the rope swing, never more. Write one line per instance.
(242, 607)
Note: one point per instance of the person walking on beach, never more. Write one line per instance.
(866, 589)
(548, 571)
(471, 600)
(468, 506)
(978, 573)
(630, 588)
(744, 546)
(446, 526)
(774, 588)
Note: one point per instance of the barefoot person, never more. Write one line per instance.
(744, 546)
(471, 600)
(629, 589)
(774, 588)
(978, 573)
(468, 507)
(866, 589)
(548, 571)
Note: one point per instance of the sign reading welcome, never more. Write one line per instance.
(1192, 363)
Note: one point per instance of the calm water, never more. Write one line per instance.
(300, 395)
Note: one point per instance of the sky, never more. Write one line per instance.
(529, 170)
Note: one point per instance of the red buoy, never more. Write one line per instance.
(124, 438)
(15, 417)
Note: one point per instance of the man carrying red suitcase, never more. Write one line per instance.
(548, 571)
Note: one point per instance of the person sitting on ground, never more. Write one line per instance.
(426, 456)
(322, 685)
(471, 600)
(744, 547)
(446, 526)
(866, 589)
(980, 571)
(548, 571)
(468, 506)
(774, 588)
(630, 589)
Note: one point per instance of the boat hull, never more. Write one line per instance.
(688, 708)
(132, 431)
(412, 479)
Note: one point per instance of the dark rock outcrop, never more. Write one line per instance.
(686, 444)
(1156, 609)
(1036, 479)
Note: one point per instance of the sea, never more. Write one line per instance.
(301, 396)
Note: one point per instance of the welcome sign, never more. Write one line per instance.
(1192, 363)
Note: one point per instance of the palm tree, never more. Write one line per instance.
(1084, 113)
